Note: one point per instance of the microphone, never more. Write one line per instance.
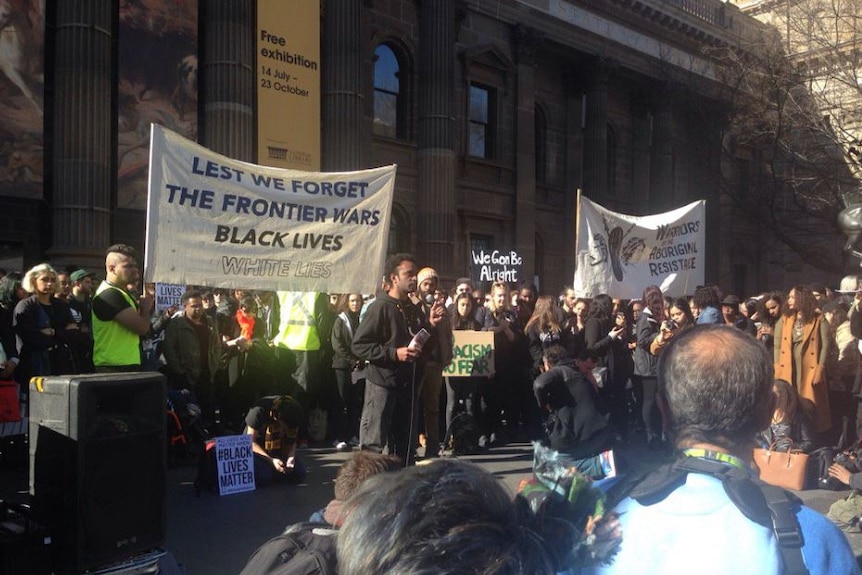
(429, 298)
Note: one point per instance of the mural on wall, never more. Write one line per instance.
(22, 41)
(158, 82)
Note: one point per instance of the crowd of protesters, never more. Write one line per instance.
(583, 374)
(222, 345)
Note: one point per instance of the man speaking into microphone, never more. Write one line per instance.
(388, 338)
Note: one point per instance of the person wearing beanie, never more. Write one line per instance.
(426, 274)
(440, 345)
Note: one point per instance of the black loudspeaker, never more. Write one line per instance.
(97, 465)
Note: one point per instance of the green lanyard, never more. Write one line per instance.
(715, 456)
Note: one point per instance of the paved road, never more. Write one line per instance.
(212, 535)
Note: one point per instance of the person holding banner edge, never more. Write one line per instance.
(119, 319)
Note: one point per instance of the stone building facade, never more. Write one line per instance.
(496, 111)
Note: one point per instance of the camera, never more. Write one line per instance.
(670, 325)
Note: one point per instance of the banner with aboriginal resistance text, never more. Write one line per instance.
(619, 254)
(220, 222)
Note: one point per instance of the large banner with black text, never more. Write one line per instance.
(220, 222)
(619, 254)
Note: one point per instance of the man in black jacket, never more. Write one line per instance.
(577, 424)
(386, 340)
(192, 349)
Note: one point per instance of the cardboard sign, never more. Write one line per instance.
(235, 464)
(472, 354)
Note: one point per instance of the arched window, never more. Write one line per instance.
(541, 153)
(388, 94)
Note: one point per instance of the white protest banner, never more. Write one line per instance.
(495, 265)
(220, 222)
(620, 255)
(235, 464)
(472, 354)
(168, 295)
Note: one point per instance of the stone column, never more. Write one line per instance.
(596, 132)
(84, 152)
(436, 154)
(341, 85)
(527, 42)
(227, 75)
(661, 157)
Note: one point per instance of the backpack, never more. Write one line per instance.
(462, 437)
(303, 549)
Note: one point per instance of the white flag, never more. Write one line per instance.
(620, 255)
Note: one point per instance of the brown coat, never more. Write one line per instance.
(810, 361)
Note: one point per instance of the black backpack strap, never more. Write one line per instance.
(786, 528)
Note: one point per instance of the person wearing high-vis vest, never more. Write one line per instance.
(119, 319)
(298, 331)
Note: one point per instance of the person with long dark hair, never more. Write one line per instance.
(462, 390)
(768, 314)
(606, 336)
(707, 299)
(801, 351)
(644, 378)
(347, 367)
(679, 319)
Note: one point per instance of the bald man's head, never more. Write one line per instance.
(718, 382)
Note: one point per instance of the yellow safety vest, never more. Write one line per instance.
(113, 343)
(297, 325)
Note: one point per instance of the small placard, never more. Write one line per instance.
(169, 295)
(472, 354)
(235, 463)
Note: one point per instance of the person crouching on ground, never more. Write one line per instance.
(576, 425)
(274, 423)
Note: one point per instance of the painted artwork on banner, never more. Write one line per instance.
(220, 222)
(22, 43)
(620, 255)
(495, 265)
(472, 354)
(158, 82)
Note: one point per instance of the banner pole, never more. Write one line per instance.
(577, 232)
(577, 221)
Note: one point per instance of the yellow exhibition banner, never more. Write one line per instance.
(288, 84)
